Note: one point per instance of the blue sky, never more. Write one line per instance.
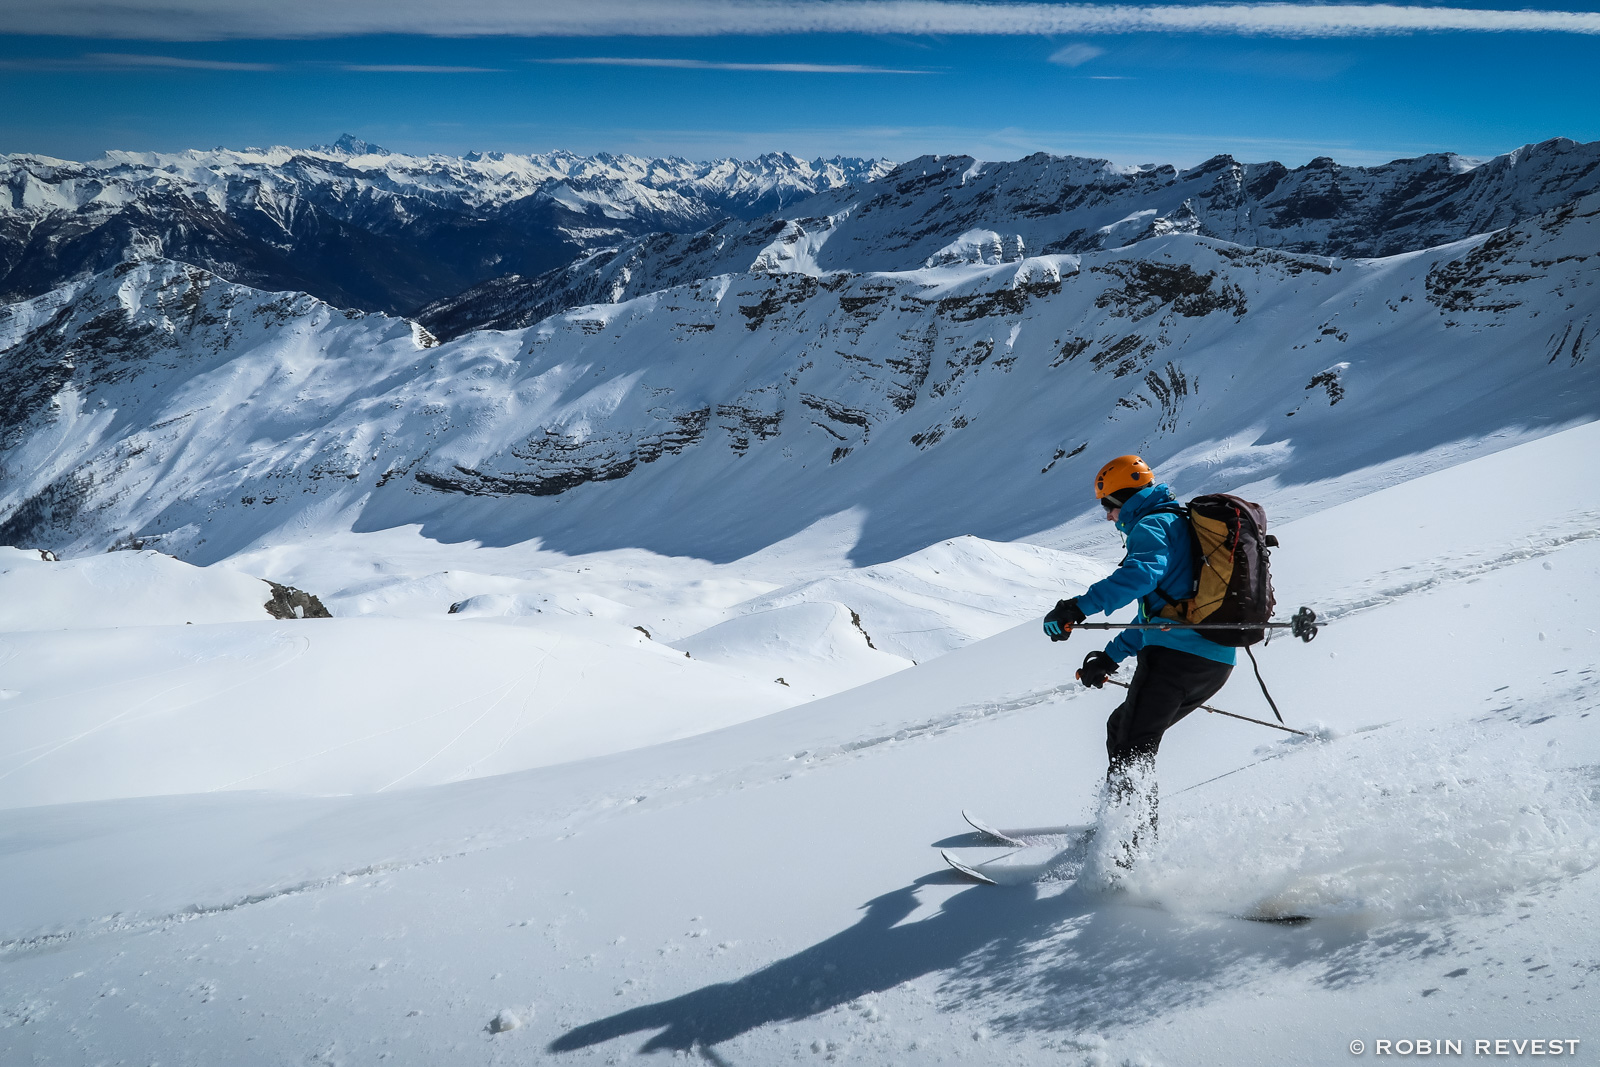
(705, 78)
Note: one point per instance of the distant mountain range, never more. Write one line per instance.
(500, 241)
(158, 404)
(362, 227)
(947, 347)
(943, 209)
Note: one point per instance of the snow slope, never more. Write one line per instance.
(768, 892)
(121, 589)
(134, 674)
(159, 405)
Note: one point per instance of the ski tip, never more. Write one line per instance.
(966, 870)
(990, 832)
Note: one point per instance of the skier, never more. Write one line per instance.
(1178, 669)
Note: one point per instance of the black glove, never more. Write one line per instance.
(1062, 618)
(1097, 666)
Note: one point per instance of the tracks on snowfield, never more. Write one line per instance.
(1390, 586)
(20, 947)
(1383, 589)
(962, 716)
(676, 788)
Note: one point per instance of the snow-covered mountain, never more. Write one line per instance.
(158, 404)
(363, 227)
(671, 631)
(942, 209)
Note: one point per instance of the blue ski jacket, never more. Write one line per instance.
(1160, 554)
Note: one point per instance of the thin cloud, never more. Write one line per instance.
(124, 59)
(1075, 55)
(128, 61)
(216, 19)
(416, 68)
(701, 64)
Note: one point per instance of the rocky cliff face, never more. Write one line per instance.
(942, 209)
(361, 227)
(159, 404)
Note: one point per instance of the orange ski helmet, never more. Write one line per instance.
(1124, 472)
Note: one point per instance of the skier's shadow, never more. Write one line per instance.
(1120, 965)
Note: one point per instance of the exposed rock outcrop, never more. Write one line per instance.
(290, 603)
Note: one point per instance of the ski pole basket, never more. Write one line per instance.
(1303, 624)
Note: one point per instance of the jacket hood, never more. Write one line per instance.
(1143, 503)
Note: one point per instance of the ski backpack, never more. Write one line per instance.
(1233, 579)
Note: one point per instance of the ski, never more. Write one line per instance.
(988, 831)
(1025, 837)
(965, 870)
(1027, 865)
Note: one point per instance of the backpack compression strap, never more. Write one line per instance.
(1173, 508)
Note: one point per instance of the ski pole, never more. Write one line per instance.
(1231, 715)
(1303, 624)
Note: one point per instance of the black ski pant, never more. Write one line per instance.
(1167, 685)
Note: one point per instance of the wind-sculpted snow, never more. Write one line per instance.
(943, 209)
(157, 404)
(363, 227)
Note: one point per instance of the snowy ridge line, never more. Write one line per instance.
(1442, 576)
(956, 210)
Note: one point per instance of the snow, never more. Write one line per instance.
(910, 216)
(1127, 230)
(121, 589)
(978, 246)
(353, 167)
(672, 636)
(964, 399)
(807, 646)
(947, 595)
(341, 706)
(795, 249)
(771, 889)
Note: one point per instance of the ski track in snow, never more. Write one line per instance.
(111, 925)
(1387, 587)
(130, 713)
(963, 716)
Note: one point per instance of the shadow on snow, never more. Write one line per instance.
(1067, 962)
